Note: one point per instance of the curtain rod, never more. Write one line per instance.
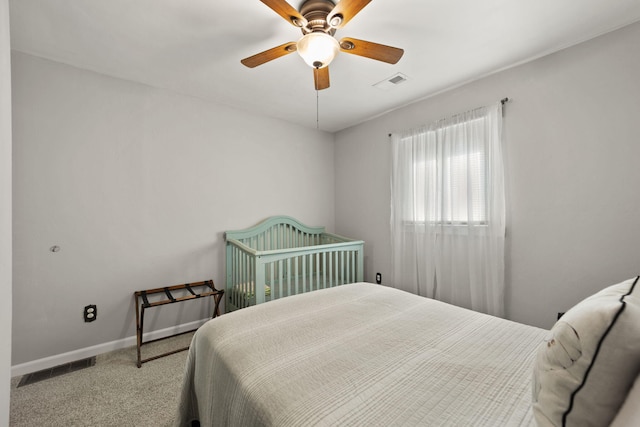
(502, 101)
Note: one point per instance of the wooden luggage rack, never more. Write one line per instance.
(209, 290)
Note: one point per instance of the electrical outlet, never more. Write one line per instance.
(90, 313)
(378, 278)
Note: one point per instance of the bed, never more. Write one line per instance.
(282, 256)
(367, 355)
(359, 354)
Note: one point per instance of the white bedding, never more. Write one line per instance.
(359, 354)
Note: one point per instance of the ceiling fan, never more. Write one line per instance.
(319, 20)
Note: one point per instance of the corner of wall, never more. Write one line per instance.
(5, 213)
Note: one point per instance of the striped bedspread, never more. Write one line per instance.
(359, 354)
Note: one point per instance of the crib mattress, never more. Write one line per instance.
(244, 295)
(359, 354)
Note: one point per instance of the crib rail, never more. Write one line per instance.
(278, 233)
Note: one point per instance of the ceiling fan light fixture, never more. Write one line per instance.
(318, 49)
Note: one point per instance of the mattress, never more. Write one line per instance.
(359, 354)
(247, 290)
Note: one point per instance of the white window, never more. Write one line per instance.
(460, 184)
(449, 182)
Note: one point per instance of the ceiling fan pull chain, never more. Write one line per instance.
(317, 110)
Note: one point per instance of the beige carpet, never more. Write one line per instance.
(114, 392)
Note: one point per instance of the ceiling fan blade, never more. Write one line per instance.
(344, 11)
(268, 55)
(371, 50)
(321, 78)
(284, 9)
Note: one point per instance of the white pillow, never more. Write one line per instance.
(629, 414)
(589, 360)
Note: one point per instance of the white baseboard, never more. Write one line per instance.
(83, 353)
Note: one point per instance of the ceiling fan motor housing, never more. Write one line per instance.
(315, 12)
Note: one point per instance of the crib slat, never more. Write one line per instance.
(353, 267)
(280, 279)
(279, 236)
(336, 268)
(283, 242)
(288, 276)
(272, 274)
(297, 275)
(330, 269)
(322, 284)
(238, 277)
(252, 271)
(238, 265)
(246, 287)
(306, 272)
(233, 267)
(351, 264)
(345, 276)
(347, 261)
(249, 285)
(319, 270)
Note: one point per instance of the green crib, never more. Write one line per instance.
(281, 257)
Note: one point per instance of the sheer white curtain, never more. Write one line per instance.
(448, 210)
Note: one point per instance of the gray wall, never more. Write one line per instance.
(5, 213)
(572, 154)
(136, 186)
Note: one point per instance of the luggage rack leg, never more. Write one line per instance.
(209, 290)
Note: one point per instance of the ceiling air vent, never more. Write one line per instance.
(391, 82)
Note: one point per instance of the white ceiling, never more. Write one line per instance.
(194, 47)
